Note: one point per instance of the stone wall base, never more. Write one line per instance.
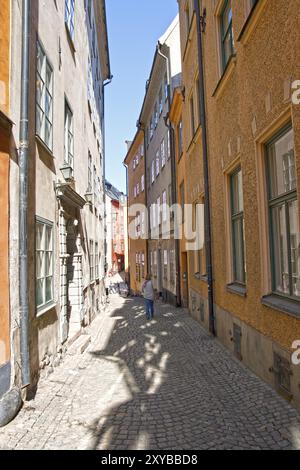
(266, 358)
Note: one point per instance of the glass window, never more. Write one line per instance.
(69, 16)
(96, 261)
(163, 153)
(157, 163)
(227, 33)
(164, 206)
(192, 116)
(180, 139)
(69, 137)
(92, 260)
(238, 230)
(284, 215)
(152, 172)
(44, 264)
(44, 98)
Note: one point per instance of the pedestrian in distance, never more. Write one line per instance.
(148, 292)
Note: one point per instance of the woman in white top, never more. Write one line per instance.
(148, 292)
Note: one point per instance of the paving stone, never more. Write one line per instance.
(165, 385)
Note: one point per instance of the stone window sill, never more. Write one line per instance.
(282, 304)
(45, 309)
(44, 146)
(237, 289)
(225, 77)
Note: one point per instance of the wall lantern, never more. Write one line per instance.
(67, 172)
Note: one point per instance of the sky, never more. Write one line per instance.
(134, 27)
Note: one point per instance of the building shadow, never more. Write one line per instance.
(175, 400)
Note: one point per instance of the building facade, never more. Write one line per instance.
(137, 214)
(116, 223)
(253, 134)
(160, 162)
(68, 67)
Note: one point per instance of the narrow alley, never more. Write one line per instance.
(159, 385)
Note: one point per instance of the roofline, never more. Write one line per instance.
(132, 144)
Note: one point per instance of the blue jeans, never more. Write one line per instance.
(149, 309)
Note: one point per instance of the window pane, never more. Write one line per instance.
(227, 17)
(295, 246)
(281, 161)
(39, 265)
(40, 292)
(39, 236)
(280, 250)
(237, 193)
(49, 293)
(238, 236)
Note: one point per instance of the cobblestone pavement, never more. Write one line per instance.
(161, 385)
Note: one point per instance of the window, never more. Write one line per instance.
(155, 115)
(143, 266)
(163, 153)
(96, 261)
(143, 183)
(238, 232)
(137, 160)
(137, 267)
(92, 260)
(187, 18)
(227, 33)
(198, 101)
(134, 192)
(142, 150)
(172, 267)
(284, 215)
(138, 189)
(180, 139)
(69, 138)
(158, 218)
(200, 268)
(192, 116)
(157, 163)
(164, 206)
(44, 98)
(166, 86)
(160, 101)
(90, 177)
(152, 172)
(89, 9)
(165, 265)
(44, 264)
(69, 16)
(95, 184)
(182, 200)
(143, 223)
(169, 145)
(151, 127)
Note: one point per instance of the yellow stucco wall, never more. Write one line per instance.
(242, 109)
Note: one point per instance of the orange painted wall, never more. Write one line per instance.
(4, 54)
(4, 182)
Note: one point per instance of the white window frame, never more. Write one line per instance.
(44, 250)
(44, 99)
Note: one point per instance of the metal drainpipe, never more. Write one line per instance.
(173, 170)
(23, 198)
(208, 241)
(108, 82)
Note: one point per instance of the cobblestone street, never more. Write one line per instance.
(160, 385)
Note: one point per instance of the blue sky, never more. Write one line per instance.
(134, 27)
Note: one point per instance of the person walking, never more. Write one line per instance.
(148, 292)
